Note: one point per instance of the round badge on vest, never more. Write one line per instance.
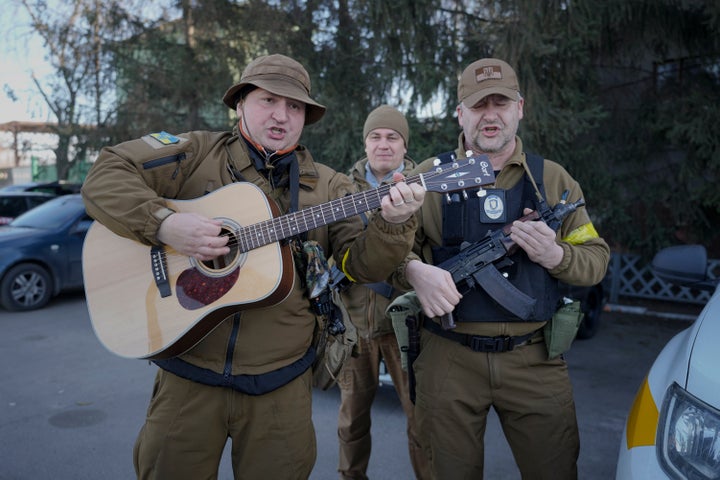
(493, 207)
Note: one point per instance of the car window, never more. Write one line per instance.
(12, 206)
(51, 214)
(35, 201)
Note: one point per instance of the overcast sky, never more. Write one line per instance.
(21, 53)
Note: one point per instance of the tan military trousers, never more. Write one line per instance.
(532, 396)
(188, 424)
(358, 383)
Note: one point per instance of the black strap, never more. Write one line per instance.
(248, 384)
(339, 281)
(294, 185)
(381, 288)
(478, 343)
(453, 218)
(294, 175)
(536, 165)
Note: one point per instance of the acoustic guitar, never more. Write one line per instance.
(152, 302)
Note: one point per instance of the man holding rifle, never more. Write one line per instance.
(491, 353)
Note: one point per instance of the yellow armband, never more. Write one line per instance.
(581, 234)
(342, 266)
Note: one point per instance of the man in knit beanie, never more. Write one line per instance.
(385, 134)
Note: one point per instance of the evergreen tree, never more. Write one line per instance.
(623, 94)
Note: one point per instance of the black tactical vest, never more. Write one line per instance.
(462, 221)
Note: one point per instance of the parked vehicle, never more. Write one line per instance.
(59, 187)
(41, 253)
(14, 203)
(673, 428)
(18, 187)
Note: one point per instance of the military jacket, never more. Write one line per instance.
(126, 190)
(585, 258)
(365, 306)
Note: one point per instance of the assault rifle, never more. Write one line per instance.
(477, 263)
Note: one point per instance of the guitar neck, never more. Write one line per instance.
(280, 228)
(472, 172)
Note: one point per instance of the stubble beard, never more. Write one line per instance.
(494, 145)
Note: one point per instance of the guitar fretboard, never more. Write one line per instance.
(471, 172)
(276, 229)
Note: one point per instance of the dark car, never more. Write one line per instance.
(15, 203)
(41, 253)
(58, 187)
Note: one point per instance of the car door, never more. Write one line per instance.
(75, 239)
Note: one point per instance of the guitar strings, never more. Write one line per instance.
(271, 230)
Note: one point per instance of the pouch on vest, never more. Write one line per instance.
(561, 330)
(335, 336)
(332, 350)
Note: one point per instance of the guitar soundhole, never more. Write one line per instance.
(209, 280)
(220, 265)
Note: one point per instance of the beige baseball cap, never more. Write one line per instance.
(282, 76)
(486, 77)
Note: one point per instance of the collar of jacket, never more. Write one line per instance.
(510, 173)
(358, 170)
(240, 160)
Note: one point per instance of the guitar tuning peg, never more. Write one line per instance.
(465, 195)
(468, 153)
(448, 198)
(481, 192)
(436, 162)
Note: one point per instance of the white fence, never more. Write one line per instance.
(628, 276)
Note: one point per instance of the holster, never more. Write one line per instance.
(406, 314)
(413, 324)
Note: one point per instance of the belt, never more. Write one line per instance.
(478, 343)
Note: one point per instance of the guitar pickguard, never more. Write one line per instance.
(196, 290)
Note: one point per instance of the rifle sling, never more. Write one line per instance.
(504, 292)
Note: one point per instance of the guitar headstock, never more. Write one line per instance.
(472, 172)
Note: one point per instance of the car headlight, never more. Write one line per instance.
(688, 436)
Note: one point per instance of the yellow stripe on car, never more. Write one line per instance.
(643, 419)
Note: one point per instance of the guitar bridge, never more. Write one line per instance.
(158, 264)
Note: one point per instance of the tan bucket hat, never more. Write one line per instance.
(282, 76)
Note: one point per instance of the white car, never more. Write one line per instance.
(673, 428)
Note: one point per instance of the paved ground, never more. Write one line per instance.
(70, 410)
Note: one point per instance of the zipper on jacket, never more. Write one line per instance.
(227, 371)
(159, 162)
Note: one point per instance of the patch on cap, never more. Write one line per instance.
(485, 77)
(491, 72)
